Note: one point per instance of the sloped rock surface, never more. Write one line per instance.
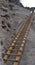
(11, 18)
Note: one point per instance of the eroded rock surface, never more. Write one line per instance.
(11, 18)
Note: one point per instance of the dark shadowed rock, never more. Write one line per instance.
(13, 14)
(3, 22)
(11, 6)
(15, 1)
(4, 9)
(6, 16)
(1, 42)
(8, 25)
(3, 26)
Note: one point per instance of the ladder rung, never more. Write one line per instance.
(14, 45)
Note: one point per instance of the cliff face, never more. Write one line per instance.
(5, 2)
(11, 18)
(14, 1)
